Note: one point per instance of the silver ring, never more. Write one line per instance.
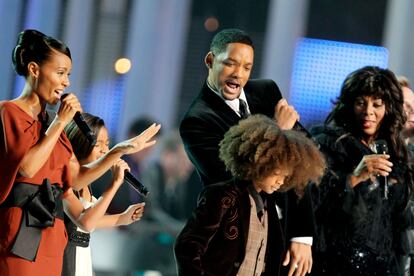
(296, 266)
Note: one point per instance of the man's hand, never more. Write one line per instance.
(285, 114)
(299, 256)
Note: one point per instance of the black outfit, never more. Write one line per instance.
(204, 126)
(358, 228)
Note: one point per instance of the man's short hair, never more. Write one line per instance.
(227, 36)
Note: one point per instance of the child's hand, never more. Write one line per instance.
(132, 214)
(118, 170)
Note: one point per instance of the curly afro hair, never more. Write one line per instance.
(257, 147)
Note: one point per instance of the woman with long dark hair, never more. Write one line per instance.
(361, 202)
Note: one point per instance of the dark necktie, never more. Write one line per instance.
(243, 109)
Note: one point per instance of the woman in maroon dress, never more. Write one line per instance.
(37, 164)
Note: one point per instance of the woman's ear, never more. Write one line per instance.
(33, 69)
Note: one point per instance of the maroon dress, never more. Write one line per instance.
(20, 132)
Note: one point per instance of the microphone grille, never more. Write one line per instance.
(381, 147)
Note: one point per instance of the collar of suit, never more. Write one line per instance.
(258, 200)
(233, 104)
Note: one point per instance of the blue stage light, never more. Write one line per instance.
(320, 67)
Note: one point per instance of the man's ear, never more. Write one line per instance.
(208, 60)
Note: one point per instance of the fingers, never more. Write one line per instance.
(287, 259)
(138, 212)
(310, 264)
(300, 267)
(139, 142)
(372, 165)
(143, 140)
(118, 170)
(121, 165)
(297, 266)
(293, 265)
(285, 114)
(300, 259)
(68, 107)
(150, 132)
(377, 164)
(148, 144)
(281, 103)
(292, 269)
(71, 101)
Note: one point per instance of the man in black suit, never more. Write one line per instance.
(224, 99)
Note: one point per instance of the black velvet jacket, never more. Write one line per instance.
(213, 241)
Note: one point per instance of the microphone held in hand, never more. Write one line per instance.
(299, 127)
(381, 147)
(83, 126)
(135, 183)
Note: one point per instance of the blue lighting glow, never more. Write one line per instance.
(105, 99)
(320, 67)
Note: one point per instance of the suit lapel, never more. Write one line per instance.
(218, 106)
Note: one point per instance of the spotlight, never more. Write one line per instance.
(122, 66)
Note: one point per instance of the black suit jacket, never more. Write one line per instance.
(204, 126)
(209, 117)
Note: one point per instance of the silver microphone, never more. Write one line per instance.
(381, 147)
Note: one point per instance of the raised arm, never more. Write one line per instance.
(94, 217)
(37, 155)
(132, 214)
(86, 174)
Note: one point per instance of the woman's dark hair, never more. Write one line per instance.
(34, 46)
(257, 147)
(227, 36)
(378, 83)
(80, 144)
